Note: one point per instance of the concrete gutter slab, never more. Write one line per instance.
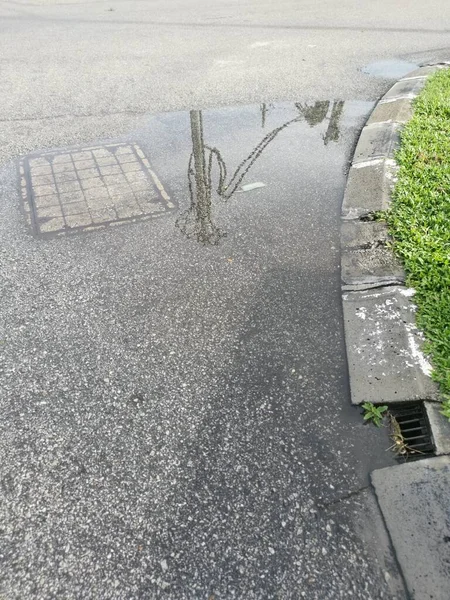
(386, 363)
(440, 427)
(414, 499)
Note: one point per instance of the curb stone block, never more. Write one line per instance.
(369, 188)
(371, 266)
(405, 87)
(378, 140)
(414, 500)
(398, 111)
(386, 363)
(440, 428)
(385, 360)
(363, 234)
(424, 71)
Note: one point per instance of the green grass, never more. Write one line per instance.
(419, 219)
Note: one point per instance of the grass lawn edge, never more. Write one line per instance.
(419, 220)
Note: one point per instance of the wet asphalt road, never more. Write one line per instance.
(73, 70)
(175, 414)
(175, 396)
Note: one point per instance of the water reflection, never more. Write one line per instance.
(318, 112)
(314, 114)
(197, 221)
(332, 132)
(389, 69)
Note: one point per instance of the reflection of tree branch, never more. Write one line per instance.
(196, 221)
(226, 190)
(314, 114)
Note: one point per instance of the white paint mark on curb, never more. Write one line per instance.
(417, 354)
(408, 292)
(390, 162)
(395, 98)
(368, 163)
(376, 125)
(411, 78)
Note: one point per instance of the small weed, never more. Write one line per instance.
(399, 447)
(375, 215)
(380, 215)
(374, 413)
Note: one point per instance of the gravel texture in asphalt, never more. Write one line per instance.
(176, 419)
(175, 414)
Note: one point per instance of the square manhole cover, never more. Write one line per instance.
(90, 187)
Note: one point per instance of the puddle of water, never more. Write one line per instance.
(209, 175)
(389, 69)
(202, 159)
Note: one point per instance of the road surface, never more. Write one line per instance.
(176, 419)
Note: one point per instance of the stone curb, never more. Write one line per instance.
(384, 347)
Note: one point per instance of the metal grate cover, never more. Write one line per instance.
(414, 428)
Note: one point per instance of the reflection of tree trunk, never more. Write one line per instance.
(196, 221)
(263, 114)
(198, 147)
(332, 133)
(203, 194)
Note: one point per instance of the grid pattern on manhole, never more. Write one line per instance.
(414, 428)
(90, 187)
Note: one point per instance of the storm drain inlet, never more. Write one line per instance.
(410, 430)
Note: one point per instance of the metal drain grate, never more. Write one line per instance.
(414, 428)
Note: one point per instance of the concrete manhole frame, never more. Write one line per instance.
(90, 187)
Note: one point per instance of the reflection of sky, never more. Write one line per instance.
(389, 69)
